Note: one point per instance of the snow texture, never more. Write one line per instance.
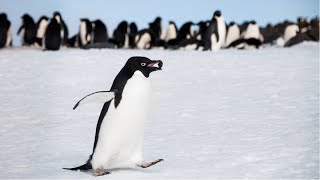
(226, 114)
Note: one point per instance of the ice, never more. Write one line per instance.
(226, 114)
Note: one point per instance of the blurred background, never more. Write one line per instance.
(144, 11)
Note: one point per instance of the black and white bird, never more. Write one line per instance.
(119, 133)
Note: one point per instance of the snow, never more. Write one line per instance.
(226, 114)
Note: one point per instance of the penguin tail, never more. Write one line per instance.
(84, 167)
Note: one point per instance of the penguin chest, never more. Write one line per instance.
(134, 104)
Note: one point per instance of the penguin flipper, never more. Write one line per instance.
(99, 96)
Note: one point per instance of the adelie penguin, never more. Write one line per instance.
(133, 31)
(64, 29)
(41, 29)
(28, 30)
(5, 31)
(120, 35)
(216, 33)
(119, 132)
(52, 38)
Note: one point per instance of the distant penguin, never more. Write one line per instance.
(120, 35)
(202, 30)
(290, 32)
(41, 29)
(5, 31)
(252, 31)
(100, 34)
(251, 43)
(145, 39)
(156, 27)
(171, 32)
(85, 32)
(233, 33)
(27, 31)
(52, 38)
(270, 34)
(64, 29)
(119, 133)
(133, 31)
(171, 35)
(303, 24)
(312, 34)
(74, 41)
(251, 37)
(314, 29)
(216, 33)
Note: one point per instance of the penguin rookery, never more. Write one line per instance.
(119, 132)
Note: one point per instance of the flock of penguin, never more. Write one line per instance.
(214, 34)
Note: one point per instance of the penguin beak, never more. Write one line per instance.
(156, 64)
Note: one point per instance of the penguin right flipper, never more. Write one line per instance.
(99, 96)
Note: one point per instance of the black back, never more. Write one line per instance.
(88, 32)
(100, 33)
(155, 26)
(63, 27)
(119, 34)
(133, 31)
(212, 29)
(30, 30)
(4, 28)
(53, 35)
(184, 31)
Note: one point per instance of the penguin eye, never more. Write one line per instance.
(143, 64)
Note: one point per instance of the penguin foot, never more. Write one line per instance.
(99, 172)
(148, 164)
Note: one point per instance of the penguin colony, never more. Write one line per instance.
(52, 33)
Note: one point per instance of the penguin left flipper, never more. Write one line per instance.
(99, 96)
(148, 164)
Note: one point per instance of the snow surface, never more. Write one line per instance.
(229, 114)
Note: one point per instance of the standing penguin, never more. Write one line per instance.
(52, 38)
(133, 31)
(27, 31)
(64, 29)
(144, 39)
(252, 31)
(216, 33)
(5, 31)
(156, 27)
(233, 33)
(100, 33)
(41, 29)
(120, 35)
(85, 32)
(119, 132)
(171, 32)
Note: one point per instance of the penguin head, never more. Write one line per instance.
(217, 13)
(142, 64)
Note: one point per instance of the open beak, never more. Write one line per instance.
(156, 64)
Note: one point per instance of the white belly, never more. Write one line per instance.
(120, 143)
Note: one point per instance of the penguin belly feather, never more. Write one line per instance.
(120, 143)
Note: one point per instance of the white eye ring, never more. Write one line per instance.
(143, 64)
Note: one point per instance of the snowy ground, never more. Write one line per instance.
(231, 114)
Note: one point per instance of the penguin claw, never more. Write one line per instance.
(100, 172)
(148, 164)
